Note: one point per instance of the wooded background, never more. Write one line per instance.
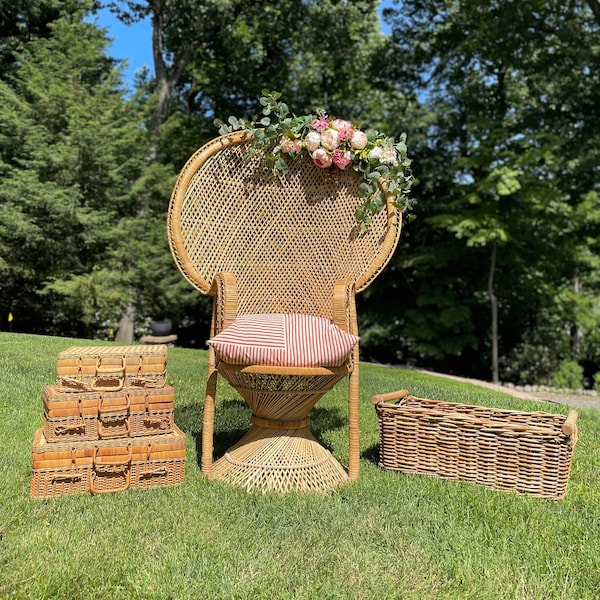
(498, 270)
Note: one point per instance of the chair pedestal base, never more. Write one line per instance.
(279, 453)
(279, 460)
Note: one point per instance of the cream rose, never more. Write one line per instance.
(376, 153)
(340, 124)
(289, 145)
(389, 156)
(330, 139)
(312, 141)
(359, 140)
(321, 158)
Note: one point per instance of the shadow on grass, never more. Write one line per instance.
(232, 421)
(371, 454)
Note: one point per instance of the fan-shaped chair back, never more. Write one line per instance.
(286, 239)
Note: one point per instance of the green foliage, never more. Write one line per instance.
(502, 152)
(569, 375)
(82, 214)
(596, 381)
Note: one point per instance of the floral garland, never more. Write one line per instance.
(333, 144)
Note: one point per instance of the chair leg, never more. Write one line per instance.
(208, 417)
(353, 430)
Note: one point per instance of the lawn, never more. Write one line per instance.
(387, 535)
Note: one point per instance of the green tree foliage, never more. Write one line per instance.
(70, 152)
(507, 160)
(213, 58)
(498, 268)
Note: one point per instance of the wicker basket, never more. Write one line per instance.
(94, 415)
(111, 368)
(106, 465)
(527, 453)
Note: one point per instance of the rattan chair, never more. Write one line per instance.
(261, 243)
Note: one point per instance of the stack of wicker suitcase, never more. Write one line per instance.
(108, 424)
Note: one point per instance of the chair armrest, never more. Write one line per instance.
(344, 306)
(225, 304)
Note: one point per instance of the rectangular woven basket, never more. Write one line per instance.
(90, 415)
(106, 465)
(524, 452)
(111, 368)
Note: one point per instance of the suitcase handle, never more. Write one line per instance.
(158, 472)
(102, 433)
(94, 489)
(62, 429)
(70, 384)
(159, 422)
(62, 477)
(109, 372)
(112, 463)
(107, 388)
(102, 410)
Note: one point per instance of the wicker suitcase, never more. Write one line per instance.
(106, 465)
(95, 415)
(524, 452)
(111, 368)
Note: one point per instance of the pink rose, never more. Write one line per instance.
(312, 141)
(340, 124)
(342, 159)
(321, 158)
(330, 139)
(359, 140)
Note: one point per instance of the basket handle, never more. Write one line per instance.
(94, 489)
(60, 429)
(102, 410)
(62, 477)
(390, 397)
(570, 425)
(158, 472)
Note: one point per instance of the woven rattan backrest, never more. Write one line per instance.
(286, 239)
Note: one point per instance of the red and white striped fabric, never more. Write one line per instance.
(287, 340)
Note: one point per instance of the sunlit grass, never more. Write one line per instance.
(385, 536)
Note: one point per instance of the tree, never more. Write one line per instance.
(509, 88)
(68, 156)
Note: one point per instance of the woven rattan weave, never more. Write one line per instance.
(524, 452)
(110, 465)
(111, 368)
(86, 415)
(261, 243)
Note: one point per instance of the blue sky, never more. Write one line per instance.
(133, 43)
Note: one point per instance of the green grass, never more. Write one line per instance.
(385, 536)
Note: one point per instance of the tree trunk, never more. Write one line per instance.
(574, 326)
(125, 333)
(595, 6)
(494, 312)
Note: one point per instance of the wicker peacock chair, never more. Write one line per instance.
(264, 245)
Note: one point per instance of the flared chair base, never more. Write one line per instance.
(279, 460)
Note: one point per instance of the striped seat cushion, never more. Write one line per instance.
(287, 340)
